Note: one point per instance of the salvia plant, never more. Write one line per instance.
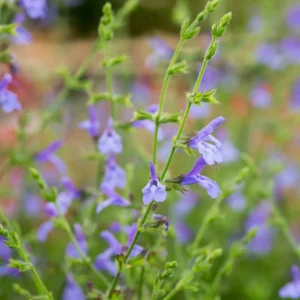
(144, 249)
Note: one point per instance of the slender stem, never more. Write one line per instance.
(178, 287)
(163, 96)
(141, 283)
(186, 114)
(37, 280)
(205, 223)
(108, 76)
(285, 230)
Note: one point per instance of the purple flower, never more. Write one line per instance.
(32, 204)
(194, 177)
(110, 141)
(114, 199)
(154, 190)
(290, 47)
(262, 243)
(256, 23)
(185, 205)
(71, 250)
(211, 79)
(293, 17)
(184, 233)
(237, 201)
(70, 188)
(261, 96)
(149, 125)
(23, 35)
(5, 255)
(292, 289)
(295, 95)
(114, 175)
(229, 151)
(72, 290)
(105, 262)
(202, 111)
(35, 8)
(48, 155)
(44, 230)
(161, 52)
(206, 144)
(92, 125)
(269, 55)
(141, 92)
(8, 100)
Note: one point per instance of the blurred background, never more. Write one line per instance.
(257, 77)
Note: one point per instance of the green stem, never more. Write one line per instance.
(37, 280)
(285, 230)
(163, 96)
(108, 76)
(186, 114)
(141, 284)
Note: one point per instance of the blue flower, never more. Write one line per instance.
(8, 100)
(114, 199)
(194, 177)
(206, 144)
(110, 141)
(260, 95)
(292, 289)
(293, 17)
(72, 290)
(161, 52)
(35, 8)
(295, 95)
(148, 124)
(114, 175)
(92, 125)
(262, 242)
(23, 35)
(71, 250)
(48, 155)
(154, 190)
(269, 55)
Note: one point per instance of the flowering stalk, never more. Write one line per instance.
(187, 32)
(13, 241)
(217, 31)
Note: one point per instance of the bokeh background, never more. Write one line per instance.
(256, 74)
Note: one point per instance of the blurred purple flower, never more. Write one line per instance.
(32, 205)
(184, 205)
(194, 177)
(293, 17)
(149, 125)
(23, 35)
(48, 155)
(72, 191)
(161, 52)
(237, 201)
(8, 100)
(256, 23)
(71, 250)
(104, 261)
(229, 151)
(260, 95)
(154, 190)
(211, 79)
(269, 55)
(295, 95)
(262, 243)
(141, 92)
(115, 227)
(110, 141)
(91, 125)
(198, 112)
(72, 290)
(211, 151)
(184, 234)
(114, 175)
(292, 289)
(5, 255)
(35, 9)
(290, 48)
(114, 199)
(44, 230)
